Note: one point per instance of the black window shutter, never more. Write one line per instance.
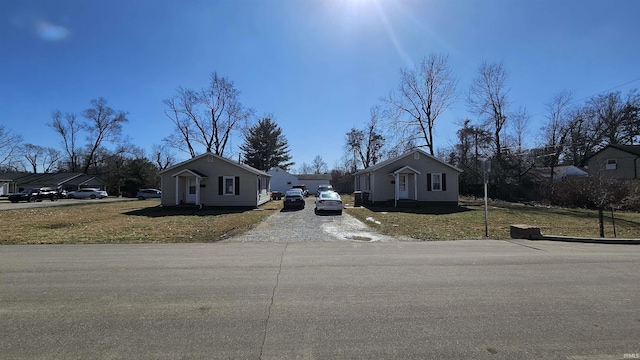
(444, 182)
(220, 185)
(237, 185)
(428, 182)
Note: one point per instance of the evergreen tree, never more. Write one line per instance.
(265, 147)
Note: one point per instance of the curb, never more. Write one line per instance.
(613, 241)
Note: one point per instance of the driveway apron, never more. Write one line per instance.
(306, 225)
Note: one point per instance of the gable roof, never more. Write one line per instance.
(314, 176)
(631, 149)
(239, 165)
(567, 170)
(397, 158)
(42, 179)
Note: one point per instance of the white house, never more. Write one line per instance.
(282, 181)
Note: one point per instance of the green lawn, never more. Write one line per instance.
(467, 221)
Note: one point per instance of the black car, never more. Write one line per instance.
(36, 194)
(294, 199)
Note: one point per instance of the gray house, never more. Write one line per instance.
(616, 161)
(212, 180)
(414, 176)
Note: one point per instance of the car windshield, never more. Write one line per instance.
(329, 195)
(293, 193)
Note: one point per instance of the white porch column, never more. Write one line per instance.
(177, 191)
(415, 186)
(197, 190)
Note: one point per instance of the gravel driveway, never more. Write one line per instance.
(305, 225)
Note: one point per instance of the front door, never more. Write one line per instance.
(191, 190)
(403, 192)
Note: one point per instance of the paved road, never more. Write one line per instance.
(321, 300)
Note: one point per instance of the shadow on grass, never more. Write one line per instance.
(160, 211)
(428, 209)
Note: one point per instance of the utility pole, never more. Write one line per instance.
(486, 168)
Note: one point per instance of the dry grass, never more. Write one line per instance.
(126, 222)
(467, 221)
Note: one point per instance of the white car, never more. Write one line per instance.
(87, 194)
(329, 201)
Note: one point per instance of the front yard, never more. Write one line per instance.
(467, 221)
(147, 222)
(125, 222)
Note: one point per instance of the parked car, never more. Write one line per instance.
(305, 192)
(322, 188)
(329, 201)
(293, 199)
(298, 190)
(148, 194)
(87, 193)
(35, 194)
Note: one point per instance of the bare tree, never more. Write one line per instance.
(487, 98)
(162, 156)
(521, 121)
(305, 169)
(68, 129)
(33, 153)
(555, 132)
(366, 144)
(104, 125)
(208, 117)
(9, 146)
(318, 165)
(178, 107)
(424, 93)
(50, 159)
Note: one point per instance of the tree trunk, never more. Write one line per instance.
(601, 220)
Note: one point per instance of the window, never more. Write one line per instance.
(436, 182)
(229, 185)
(612, 164)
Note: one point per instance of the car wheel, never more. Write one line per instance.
(54, 198)
(14, 201)
(92, 196)
(340, 212)
(32, 199)
(140, 197)
(70, 197)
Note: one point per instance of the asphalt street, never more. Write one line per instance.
(480, 299)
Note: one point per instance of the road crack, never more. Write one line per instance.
(273, 295)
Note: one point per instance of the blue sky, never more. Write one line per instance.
(318, 66)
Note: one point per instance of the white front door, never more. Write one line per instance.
(191, 190)
(403, 192)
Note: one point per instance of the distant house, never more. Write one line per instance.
(10, 183)
(313, 181)
(616, 161)
(212, 180)
(282, 180)
(414, 176)
(543, 174)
